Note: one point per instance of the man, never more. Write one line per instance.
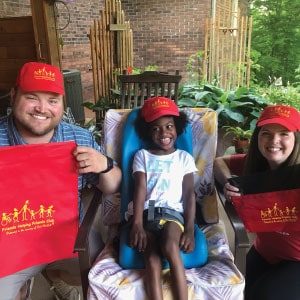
(36, 117)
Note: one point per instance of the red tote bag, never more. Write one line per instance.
(271, 211)
(270, 200)
(39, 205)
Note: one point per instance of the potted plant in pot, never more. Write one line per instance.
(241, 137)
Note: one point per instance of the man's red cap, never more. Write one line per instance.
(284, 115)
(36, 76)
(157, 107)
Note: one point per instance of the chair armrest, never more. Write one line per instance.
(88, 242)
(241, 239)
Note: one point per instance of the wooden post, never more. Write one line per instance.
(45, 31)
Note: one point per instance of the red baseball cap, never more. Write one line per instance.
(157, 107)
(284, 115)
(36, 76)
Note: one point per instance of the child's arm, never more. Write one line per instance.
(138, 236)
(189, 206)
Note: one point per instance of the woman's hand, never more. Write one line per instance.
(230, 191)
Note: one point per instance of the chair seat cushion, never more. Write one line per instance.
(218, 279)
(129, 258)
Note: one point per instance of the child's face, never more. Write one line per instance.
(163, 133)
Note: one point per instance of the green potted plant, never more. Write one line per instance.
(241, 137)
(100, 108)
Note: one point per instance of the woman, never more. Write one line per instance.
(273, 262)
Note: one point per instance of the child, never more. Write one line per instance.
(164, 200)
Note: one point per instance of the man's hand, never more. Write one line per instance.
(89, 160)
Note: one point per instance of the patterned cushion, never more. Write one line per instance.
(219, 279)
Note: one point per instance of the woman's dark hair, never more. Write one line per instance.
(142, 127)
(255, 162)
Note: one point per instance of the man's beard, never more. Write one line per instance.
(34, 131)
(25, 127)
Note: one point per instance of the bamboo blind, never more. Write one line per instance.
(111, 42)
(227, 48)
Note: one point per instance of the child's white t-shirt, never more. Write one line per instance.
(164, 175)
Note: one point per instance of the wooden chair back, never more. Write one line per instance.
(135, 89)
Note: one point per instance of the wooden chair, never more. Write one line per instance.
(90, 243)
(135, 89)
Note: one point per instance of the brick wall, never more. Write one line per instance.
(76, 53)
(14, 8)
(165, 32)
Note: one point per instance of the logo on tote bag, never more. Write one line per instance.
(270, 200)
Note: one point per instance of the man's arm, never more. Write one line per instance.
(109, 182)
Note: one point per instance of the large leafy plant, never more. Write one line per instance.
(235, 108)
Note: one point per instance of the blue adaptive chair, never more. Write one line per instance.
(130, 258)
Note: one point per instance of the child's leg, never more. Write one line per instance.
(171, 251)
(153, 268)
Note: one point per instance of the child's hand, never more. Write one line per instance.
(187, 241)
(138, 237)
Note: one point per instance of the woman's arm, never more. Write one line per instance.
(222, 172)
(222, 169)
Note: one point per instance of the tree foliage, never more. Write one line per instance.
(276, 37)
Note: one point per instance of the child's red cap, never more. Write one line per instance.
(157, 107)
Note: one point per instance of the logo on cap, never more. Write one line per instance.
(280, 112)
(160, 103)
(44, 74)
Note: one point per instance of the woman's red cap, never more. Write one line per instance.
(284, 115)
